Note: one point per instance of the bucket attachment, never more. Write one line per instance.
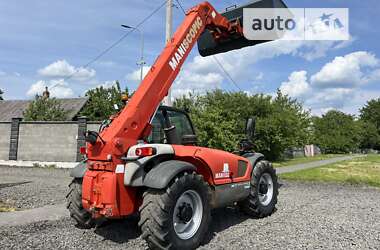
(206, 43)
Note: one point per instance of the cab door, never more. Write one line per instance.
(166, 116)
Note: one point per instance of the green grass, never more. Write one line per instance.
(300, 160)
(361, 171)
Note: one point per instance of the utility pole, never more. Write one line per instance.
(169, 24)
(169, 20)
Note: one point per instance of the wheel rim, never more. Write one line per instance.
(265, 189)
(188, 213)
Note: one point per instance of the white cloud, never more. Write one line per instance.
(193, 78)
(135, 75)
(346, 100)
(332, 97)
(260, 76)
(107, 84)
(312, 50)
(239, 62)
(345, 71)
(203, 73)
(199, 76)
(3, 73)
(57, 88)
(346, 43)
(62, 68)
(194, 82)
(338, 85)
(315, 49)
(96, 84)
(374, 75)
(297, 85)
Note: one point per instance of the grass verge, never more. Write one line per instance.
(300, 160)
(362, 171)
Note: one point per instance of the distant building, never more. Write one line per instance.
(16, 108)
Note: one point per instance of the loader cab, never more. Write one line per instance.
(178, 118)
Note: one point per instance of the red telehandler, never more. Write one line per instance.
(145, 161)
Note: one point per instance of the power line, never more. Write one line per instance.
(114, 44)
(215, 58)
(181, 6)
(226, 73)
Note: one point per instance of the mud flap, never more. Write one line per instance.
(99, 193)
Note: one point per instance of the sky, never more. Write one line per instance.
(42, 42)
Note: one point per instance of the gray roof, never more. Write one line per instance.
(15, 108)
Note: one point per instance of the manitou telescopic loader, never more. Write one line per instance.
(145, 161)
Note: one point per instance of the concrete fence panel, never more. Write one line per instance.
(92, 126)
(42, 141)
(5, 131)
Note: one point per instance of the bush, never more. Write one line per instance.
(336, 132)
(220, 117)
(45, 109)
(370, 118)
(101, 102)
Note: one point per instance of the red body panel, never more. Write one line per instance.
(214, 160)
(103, 191)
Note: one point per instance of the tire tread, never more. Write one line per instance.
(154, 211)
(251, 205)
(75, 207)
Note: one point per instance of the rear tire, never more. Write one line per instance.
(74, 205)
(177, 217)
(264, 191)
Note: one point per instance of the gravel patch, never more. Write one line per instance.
(309, 216)
(25, 188)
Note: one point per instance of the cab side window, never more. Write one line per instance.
(181, 122)
(178, 119)
(157, 135)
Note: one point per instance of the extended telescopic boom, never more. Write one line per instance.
(133, 122)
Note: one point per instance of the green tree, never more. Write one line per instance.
(369, 136)
(336, 132)
(370, 117)
(102, 101)
(1, 95)
(220, 117)
(284, 125)
(45, 109)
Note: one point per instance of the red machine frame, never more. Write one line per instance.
(104, 192)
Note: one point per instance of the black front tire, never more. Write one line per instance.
(156, 213)
(253, 205)
(74, 205)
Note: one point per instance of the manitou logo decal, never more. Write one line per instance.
(182, 49)
(225, 173)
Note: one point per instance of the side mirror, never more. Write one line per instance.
(91, 137)
(250, 128)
